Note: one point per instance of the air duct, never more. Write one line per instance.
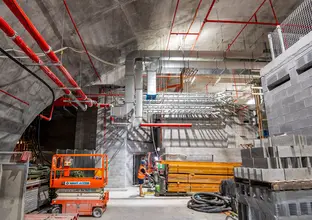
(212, 59)
(151, 85)
(138, 93)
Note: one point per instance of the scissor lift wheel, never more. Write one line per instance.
(97, 212)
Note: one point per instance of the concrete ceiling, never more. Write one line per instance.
(111, 29)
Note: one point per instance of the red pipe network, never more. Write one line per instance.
(26, 22)
(83, 44)
(8, 30)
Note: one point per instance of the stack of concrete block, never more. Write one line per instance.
(260, 203)
(277, 159)
(282, 160)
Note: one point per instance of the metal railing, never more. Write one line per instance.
(294, 27)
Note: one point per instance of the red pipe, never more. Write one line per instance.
(195, 15)
(204, 22)
(230, 45)
(8, 30)
(81, 40)
(274, 14)
(63, 100)
(12, 96)
(173, 125)
(174, 16)
(240, 22)
(50, 117)
(25, 21)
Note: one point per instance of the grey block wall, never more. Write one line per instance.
(86, 125)
(287, 83)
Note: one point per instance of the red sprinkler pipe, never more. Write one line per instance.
(172, 125)
(240, 22)
(195, 15)
(50, 117)
(81, 40)
(273, 11)
(174, 16)
(25, 21)
(14, 97)
(204, 22)
(231, 44)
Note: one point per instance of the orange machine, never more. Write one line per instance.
(79, 189)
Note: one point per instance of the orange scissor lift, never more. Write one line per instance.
(84, 193)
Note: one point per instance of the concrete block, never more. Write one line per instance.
(247, 162)
(288, 100)
(297, 174)
(239, 172)
(306, 83)
(272, 175)
(246, 153)
(286, 140)
(303, 123)
(284, 128)
(257, 143)
(245, 173)
(266, 163)
(308, 102)
(288, 151)
(282, 73)
(292, 90)
(306, 151)
(297, 115)
(296, 106)
(251, 174)
(305, 93)
(258, 152)
(258, 174)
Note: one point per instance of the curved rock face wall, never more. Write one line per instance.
(15, 116)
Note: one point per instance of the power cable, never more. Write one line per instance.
(29, 71)
(41, 80)
(209, 203)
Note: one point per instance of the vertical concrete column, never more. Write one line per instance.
(129, 87)
(138, 93)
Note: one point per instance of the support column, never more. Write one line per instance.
(129, 88)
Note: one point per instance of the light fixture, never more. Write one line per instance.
(193, 80)
(251, 102)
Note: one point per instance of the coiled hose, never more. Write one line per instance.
(209, 203)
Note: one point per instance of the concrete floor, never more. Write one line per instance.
(126, 205)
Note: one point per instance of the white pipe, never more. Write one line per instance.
(271, 46)
(213, 64)
(280, 36)
(138, 92)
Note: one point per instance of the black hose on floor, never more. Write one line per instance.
(209, 203)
